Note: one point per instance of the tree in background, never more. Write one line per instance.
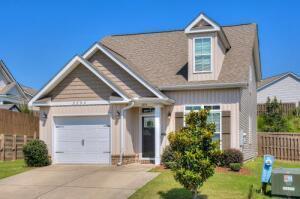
(273, 118)
(194, 151)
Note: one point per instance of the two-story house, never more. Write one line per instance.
(11, 92)
(118, 101)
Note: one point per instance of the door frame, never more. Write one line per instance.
(141, 115)
(53, 131)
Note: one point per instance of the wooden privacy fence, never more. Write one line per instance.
(287, 108)
(15, 123)
(284, 146)
(11, 146)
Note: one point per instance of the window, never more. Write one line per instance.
(202, 55)
(214, 116)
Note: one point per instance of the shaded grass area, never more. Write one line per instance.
(9, 168)
(222, 185)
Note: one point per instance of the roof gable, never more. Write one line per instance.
(202, 24)
(272, 80)
(125, 66)
(10, 80)
(68, 69)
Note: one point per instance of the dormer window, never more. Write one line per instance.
(202, 55)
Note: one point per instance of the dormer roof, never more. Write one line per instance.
(203, 24)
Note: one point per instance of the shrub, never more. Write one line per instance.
(235, 166)
(231, 156)
(167, 157)
(193, 151)
(217, 158)
(36, 153)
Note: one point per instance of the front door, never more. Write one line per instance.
(148, 137)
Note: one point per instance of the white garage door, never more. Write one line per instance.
(82, 139)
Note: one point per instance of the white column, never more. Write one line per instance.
(157, 134)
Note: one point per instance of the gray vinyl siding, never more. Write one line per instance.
(287, 90)
(248, 109)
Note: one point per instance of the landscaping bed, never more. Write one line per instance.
(224, 184)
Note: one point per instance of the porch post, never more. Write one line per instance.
(157, 134)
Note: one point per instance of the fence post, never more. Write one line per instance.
(14, 147)
(34, 135)
(25, 140)
(2, 152)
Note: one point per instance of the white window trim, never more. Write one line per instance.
(211, 55)
(202, 107)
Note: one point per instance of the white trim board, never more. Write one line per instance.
(189, 28)
(65, 71)
(97, 46)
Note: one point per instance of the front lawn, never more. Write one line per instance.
(9, 168)
(221, 185)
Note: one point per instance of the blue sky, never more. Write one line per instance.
(38, 37)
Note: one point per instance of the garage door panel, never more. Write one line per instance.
(70, 146)
(82, 140)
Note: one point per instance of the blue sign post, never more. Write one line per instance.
(267, 171)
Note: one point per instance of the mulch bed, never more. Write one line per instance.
(243, 171)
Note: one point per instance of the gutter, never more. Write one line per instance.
(204, 86)
(123, 110)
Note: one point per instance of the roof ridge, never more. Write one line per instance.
(174, 30)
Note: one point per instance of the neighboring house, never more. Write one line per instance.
(118, 101)
(11, 92)
(285, 87)
(10, 107)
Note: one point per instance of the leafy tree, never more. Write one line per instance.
(273, 117)
(194, 151)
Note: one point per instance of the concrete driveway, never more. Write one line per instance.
(76, 181)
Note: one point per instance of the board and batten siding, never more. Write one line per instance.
(131, 124)
(287, 90)
(228, 99)
(81, 84)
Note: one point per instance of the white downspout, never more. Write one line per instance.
(122, 137)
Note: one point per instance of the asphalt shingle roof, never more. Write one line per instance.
(161, 57)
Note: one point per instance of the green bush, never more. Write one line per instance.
(217, 158)
(235, 166)
(167, 157)
(231, 156)
(193, 148)
(36, 154)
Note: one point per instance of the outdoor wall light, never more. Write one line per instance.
(44, 115)
(118, 114)
(169, 115)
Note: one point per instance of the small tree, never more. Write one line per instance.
(194, 151)
(273, 117)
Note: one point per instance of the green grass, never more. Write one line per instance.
(293, 124)
(9, 168)
(221, 185)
